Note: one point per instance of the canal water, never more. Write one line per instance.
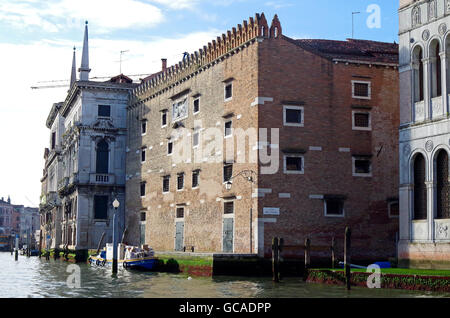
(34, 277)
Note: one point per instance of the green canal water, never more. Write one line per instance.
(34, 277)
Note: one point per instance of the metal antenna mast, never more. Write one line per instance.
(353, 23)
(121, 53)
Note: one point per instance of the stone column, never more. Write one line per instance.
(431, 188)
(405, 197)
(426, 89)
(443, 56)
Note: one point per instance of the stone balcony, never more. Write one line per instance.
(102, 178)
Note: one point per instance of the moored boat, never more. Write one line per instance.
(129, 257)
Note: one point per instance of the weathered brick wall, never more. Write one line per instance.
(288, 73)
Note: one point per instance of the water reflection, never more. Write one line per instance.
(34, 277)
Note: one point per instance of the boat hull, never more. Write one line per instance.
(147, 263)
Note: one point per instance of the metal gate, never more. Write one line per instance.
(228, 235)
(179, 236)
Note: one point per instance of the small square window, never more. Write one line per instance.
(163, 119)
(169, 148)
(362, 167)
(228, 91)
(166, 184)
(227, 172)
(361, 90)
(196, 108)
(293, 116)
(228, 207)
(180, 212)
(361, 121)
(293, 164)
(143, 185)
(228, 128)
(104, 111)
(334, 207)
(195, 178)
(180, 181)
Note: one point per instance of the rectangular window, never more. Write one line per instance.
(362, 166)
(143, 184)
(195, 178)
(361, 121)
(169, 147)
(180, 181)
(196, 105)
(334, 207)
(393, 209)
(227, 172)
(53, 140)
(104, 111)
(144, 127)
(164, 119)
(293, 164)
(166, 184)
(143, 155)
(180, 109)
(100, 207)
(361, 90)
(228, 128)
(180, 212)
(228, 91)
(228, 207)
(293, 116)
(143, 216)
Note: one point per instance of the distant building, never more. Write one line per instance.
(28, 224)
(318, 120)
(424, 133)
(9, 218)
(85, 163)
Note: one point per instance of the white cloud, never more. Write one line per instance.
(177, 4)
(53, 15)
(23, 112)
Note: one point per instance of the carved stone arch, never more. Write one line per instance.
(441, 179)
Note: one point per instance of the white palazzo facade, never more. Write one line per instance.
(424, 133)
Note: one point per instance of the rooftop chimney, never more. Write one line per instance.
(164, 64)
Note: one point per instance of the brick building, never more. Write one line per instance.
(259, 135)
(424, 133)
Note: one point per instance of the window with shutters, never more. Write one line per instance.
(166, 184)
(442, 186)
(180, 212)
(180, 181)
(228, 207)
(195, 179)
(227, 172)
(420, 189)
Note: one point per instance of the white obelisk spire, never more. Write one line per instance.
(84, 69)
(73, 75)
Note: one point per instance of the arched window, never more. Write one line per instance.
(442, 186)
(418, 74)
(420, 190)
(435, 69)
(102, 157)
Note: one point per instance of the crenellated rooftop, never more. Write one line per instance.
(238, 36)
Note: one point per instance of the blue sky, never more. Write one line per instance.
(37, 38)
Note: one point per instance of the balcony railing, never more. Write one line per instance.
(437, 106)
(101, 178)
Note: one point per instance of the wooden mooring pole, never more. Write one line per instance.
(347, 256)
(275, 259)
(280, 258)
(307, 258)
